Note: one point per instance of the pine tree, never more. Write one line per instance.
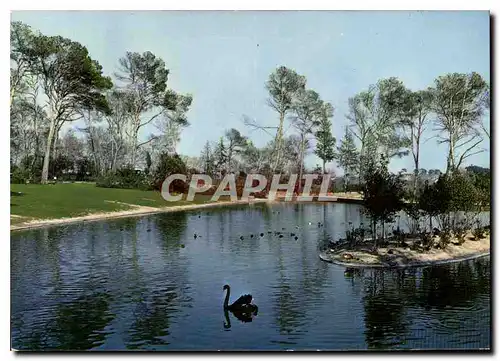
(347, 155)
(325, 147)
(220, 155)
(207, 159)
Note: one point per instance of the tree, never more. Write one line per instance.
(255, 159)
(307, 109)
(220, 155)
(237, 142)
(486, 102)
(415, 113)
(325, 146)
(28, 126)
(144, 78)
(168, 165)
(73, 148)
(149, 162)
(347, 156)
(21, 44)
(70, 79)
(382, 194)
(283, 84)
(459, 103)
(432, 200)
(293, 148)
(207, 159)
(376, 121)
(482, 181)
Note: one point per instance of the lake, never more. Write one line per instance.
(147, 283)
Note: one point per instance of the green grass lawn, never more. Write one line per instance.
(77, 199)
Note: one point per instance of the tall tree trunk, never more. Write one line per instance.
(324, 171)
(135, 133)
(134, 148)
(278, 142)
(415, 181)
(301, 162)
(229, 158)
(46, 159)
(450, 164)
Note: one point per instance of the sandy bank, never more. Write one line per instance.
(406, 257)
(134, 212)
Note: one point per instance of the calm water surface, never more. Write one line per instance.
(147, 283)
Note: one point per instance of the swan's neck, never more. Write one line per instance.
(226, 300)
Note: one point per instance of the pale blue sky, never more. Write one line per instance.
(224, 58)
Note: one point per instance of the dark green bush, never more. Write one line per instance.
(382, 194)
(19, 176)
(168, 165)
(126, 178)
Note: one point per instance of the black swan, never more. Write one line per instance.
(242, 305)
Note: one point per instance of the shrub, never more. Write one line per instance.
(32, 166)
(479, 232)
(126, 178)
(168, 165)
(448, 197)
(382, 194)
(19, 176)
(414, 216)
(426, 238)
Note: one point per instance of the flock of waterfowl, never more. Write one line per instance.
(243, 308)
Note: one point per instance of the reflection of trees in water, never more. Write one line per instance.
(65, 319)
(74, 305)
(293, 295)
(385, 313)
(80, 324)
(152, 319)
(171, 228)
(289, 315)
(455, 285)
(75, 325)
(285, 304)
(314, 273)
(155, 300)
(390, 294)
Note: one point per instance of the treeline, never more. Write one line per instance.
(454, 202)
(54, 80)
(386, 121)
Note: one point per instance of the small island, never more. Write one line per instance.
(410, 252)
(454, 202)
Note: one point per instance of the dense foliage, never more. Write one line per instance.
(126, 178)
(168, 165)
(382, 194)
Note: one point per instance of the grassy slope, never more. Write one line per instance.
(77, 199)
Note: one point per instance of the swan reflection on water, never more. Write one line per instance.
(243, 308)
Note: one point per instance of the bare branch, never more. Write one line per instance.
(152, 137)
(465, 155)
(253, 124)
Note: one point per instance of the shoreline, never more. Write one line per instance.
(405, 258)
(136, 211)
(327, 259)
